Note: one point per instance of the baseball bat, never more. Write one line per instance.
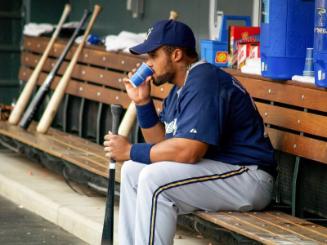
(31, 83)
(43, 90)
(124, 130)
(59, 92)
(128, 120)
(108, 226)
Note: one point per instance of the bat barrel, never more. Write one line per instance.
(70, 42)
(34, 106)
(128, 120)
(116, 111)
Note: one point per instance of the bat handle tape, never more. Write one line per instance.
(112, 165)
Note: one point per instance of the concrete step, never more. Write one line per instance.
(77, 210)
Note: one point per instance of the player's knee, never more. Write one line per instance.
(152, 175)
(128, 170)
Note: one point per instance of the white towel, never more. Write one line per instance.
(304, 79)
(71, 24)
(123, 41)
(34, 29)
(252, 66)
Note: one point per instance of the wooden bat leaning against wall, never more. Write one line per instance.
(59, 92)
(43, 90)
(31, 83)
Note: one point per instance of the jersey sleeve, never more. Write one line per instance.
(201, 116)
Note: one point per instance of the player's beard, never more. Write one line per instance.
(167, 77)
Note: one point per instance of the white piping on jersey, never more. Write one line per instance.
(171, 127)
(237, 84)
(189, 68)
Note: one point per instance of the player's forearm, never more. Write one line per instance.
(155, 134)
(178, 150)
(148, 119)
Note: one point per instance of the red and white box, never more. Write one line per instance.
(247, 50)
(239, 35)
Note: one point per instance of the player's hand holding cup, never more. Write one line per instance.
(138, 84)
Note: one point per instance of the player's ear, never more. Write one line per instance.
(177, 55)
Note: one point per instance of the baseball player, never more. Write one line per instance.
(207, 150)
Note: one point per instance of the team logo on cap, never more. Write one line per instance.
(149, 32)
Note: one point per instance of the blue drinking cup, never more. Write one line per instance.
(140, 75)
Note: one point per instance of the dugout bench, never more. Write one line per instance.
(295, 115)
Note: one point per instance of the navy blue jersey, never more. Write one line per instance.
(212, 107)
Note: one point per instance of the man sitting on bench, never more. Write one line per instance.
(207, 150)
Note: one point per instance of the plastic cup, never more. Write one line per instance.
(140, 75)
(308, 66)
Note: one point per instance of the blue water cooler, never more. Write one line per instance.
(286, 32)
(320, 43)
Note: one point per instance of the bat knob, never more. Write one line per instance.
(173, 15)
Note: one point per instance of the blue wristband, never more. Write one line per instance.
(141, 153)
(147, 115)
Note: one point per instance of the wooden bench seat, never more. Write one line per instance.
(71, 148)
(269, 227)
(74, 149)
(295, 116)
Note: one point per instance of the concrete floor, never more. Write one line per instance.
(19, 226)
(46, 194)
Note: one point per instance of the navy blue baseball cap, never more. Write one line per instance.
(166, 32)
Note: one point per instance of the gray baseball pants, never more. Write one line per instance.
(152, 196)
